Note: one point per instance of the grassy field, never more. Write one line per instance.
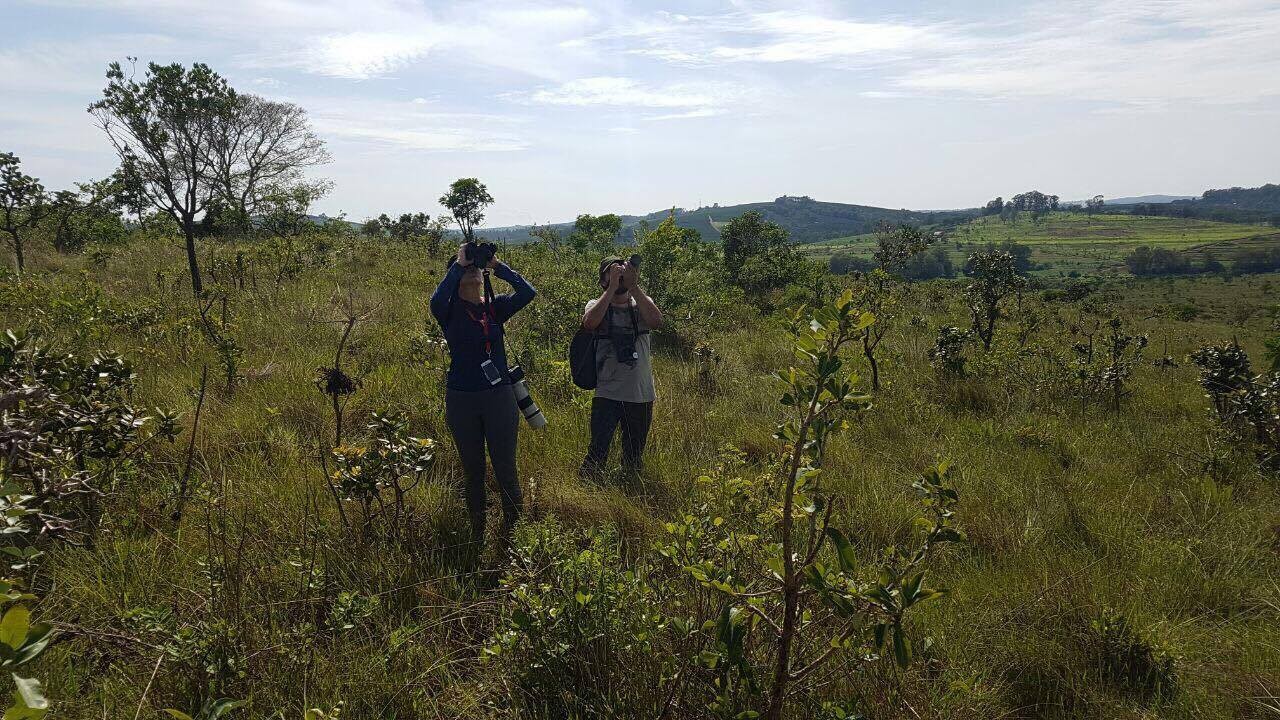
(1074, 513)
(1067, 242)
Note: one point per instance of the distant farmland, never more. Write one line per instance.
(1067, 242)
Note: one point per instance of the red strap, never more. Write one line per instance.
(485, 321)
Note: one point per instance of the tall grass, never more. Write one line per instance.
(1072, 511)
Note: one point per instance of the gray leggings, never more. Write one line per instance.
(476, 419)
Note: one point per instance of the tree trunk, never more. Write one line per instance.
(189, 234)
(18, 254)
(870, 352)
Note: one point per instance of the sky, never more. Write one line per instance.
(630, 107)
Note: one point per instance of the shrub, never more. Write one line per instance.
(948, 351)
(1130, 659)
(580, 633)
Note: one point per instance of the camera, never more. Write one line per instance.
(480, 253)
(524, 400)
(634, 263)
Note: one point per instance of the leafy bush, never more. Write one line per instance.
(392, 461)
(581, 632)
(948, 351)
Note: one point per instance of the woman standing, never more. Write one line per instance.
(480, 405)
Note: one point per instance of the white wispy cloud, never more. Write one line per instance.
(408, 125)
(1121, 51)
(621, 92)
(362, 39)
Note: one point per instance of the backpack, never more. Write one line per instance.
(582, 359)
(582, 354)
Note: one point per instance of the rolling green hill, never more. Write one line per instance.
(807, 220)
(1067, 242)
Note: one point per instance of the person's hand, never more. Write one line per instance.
(630, 276)
(614, 276)
(493, 262)
(463, 260)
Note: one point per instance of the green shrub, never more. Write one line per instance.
(1130, 659)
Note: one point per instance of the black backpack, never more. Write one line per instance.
(582, 359)
(582, 355)
(583, 365)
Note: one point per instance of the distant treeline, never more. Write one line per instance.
(1198, 210)
(1145, 261)
(1233, 205)
(934, 262)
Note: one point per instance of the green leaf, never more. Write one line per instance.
(38, 638)
(844, 550)
(14, 626)
(910, 589)
(901, 647)
(222, 706)
(29, 693)
(175, 714)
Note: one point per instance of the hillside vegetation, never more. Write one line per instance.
(807, 220)
(1119, 555)
(1063, 243)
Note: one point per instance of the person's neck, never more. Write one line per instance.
(623, 299)
(473, 298)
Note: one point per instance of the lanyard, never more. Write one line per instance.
(485, 321)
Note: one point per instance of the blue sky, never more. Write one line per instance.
(563, 108)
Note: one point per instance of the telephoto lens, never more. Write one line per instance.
(524, 400)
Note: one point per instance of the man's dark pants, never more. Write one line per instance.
(606, 415)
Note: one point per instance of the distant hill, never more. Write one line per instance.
(807, 220)
(1265, 198)
(1233, 205)
(1147, 199)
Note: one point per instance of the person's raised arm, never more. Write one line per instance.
(595, 314)
(645, 306)
(442, 298)
(511, 303)
(647, 309)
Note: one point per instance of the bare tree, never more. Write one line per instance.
(163, 130)
(260, 149)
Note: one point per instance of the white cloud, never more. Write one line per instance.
(1122, 52)
(1117, 51)
(362, 55)
(407, 125)
(790, 37)
(621, 92)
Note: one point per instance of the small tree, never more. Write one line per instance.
(23, 204)
(164, 129)
(1093, 205)
(91, 211)
(759, 544)
(877, 297)
(410, 227)
(759, 256)
(466, 200)
(994, 276)
(548, 236)
(595, 233)
(895, 246)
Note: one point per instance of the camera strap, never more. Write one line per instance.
(488, 316)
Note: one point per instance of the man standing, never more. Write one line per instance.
(622, 317)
